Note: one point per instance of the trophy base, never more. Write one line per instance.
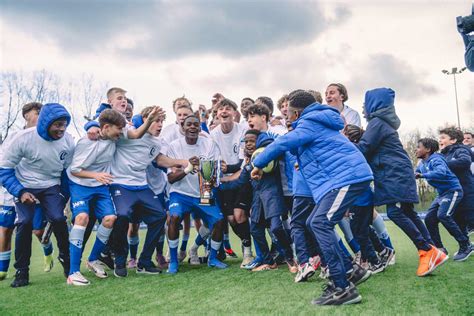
(206, 202)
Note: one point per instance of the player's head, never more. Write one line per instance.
(191, 127)
(298, 100)
(111, 123)
(450, 136)
(468, 139)
(267, 102)
(282, 105)
(258, 116)
(155, 127)
(181, 101)
(336, 95)
(183, 111)
(129, 110)
(57, 129)
(244, 104)
(250, 140)
(317, 96)
(30, 113)
(426, 147)
(117, 99)
(226, 109)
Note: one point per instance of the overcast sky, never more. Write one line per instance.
(159, 50)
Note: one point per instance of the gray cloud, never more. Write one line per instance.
(385, 70)
(172, 29)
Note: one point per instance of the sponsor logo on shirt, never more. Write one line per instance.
(236, 148)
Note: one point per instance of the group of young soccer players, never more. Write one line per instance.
(292, 176)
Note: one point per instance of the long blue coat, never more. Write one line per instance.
(394, 178)
(459, 158)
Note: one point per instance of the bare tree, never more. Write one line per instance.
(80, 96)
(13, 93)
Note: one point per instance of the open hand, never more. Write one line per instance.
(104, 178)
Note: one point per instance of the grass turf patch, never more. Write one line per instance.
(201, 290)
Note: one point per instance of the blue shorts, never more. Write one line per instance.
(83, 199)
(8, 215)
(181, 204)
(138, 205)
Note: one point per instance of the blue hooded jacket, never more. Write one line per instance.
(326, 158)
(49, 113)
(101, 108)
(436, 171)
(459, 158)
(267, 192)
(393, 172)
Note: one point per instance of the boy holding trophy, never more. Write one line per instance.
(192, 190)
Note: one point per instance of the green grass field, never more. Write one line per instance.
(200, 290)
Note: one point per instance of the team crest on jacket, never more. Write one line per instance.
(63, 155)
(152, 151)
(117, 193)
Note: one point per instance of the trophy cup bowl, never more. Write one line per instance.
(207, 175)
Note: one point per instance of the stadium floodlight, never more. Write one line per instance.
(454, 71)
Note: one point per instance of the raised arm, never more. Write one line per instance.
(156, 114)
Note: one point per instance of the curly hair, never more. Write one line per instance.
(453, 133)
(430, 144)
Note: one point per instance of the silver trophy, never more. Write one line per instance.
(208, 178)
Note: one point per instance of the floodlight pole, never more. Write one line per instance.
(454, 71)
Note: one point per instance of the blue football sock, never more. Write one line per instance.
(226, 242)
(76, 237)
(387, 242)
(199, 240)
(258, 252)
(173, 245)
(133, 242)
(354, 245)
(5, 260)
(47, 248)
(102, 237)
(184, 242)
(379, 225)
(215, 246)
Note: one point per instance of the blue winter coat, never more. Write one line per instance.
(327, 159)
(436, 171)
(267, 192)
(459, 158)
(393, 172)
